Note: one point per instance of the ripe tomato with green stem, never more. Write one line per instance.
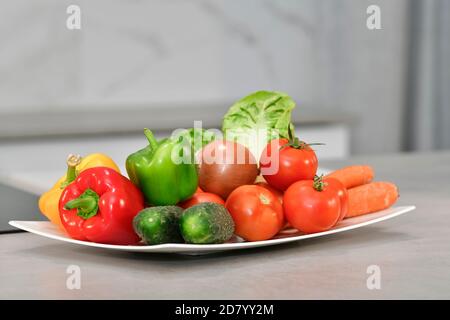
(285, 161)
(312, 205)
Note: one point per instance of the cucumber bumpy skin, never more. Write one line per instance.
(157, 225)
(206, 223)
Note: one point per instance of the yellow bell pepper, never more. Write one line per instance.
(48, 202)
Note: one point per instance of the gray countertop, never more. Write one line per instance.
(412, 251)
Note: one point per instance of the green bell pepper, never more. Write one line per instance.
(162, 180)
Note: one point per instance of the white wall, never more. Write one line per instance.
(132, 53)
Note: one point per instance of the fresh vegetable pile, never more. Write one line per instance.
(252, 179)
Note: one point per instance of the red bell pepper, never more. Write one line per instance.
(99, 206)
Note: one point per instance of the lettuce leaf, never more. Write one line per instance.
(258, 118)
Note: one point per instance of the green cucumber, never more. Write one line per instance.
(157, 225)
(206, 222)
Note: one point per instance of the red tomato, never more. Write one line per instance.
(282, 164)
(201, 197)
(310, 208)
(276, 192)
(257, 213)
(341, 192)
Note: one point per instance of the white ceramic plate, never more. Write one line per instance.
(46, 229)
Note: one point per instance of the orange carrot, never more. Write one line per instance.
(353, 176)
(371, 197)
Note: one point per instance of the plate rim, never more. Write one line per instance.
(182, 247)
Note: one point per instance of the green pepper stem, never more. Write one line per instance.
(73, 160)
(86, 203)
(151, 138)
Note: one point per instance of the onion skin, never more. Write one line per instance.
(224, 166)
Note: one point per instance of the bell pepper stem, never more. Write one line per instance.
(86, 204)
(73, 160)
(151, 138)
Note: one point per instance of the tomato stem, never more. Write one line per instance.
(296, 143)
(264, 199)
(318, 183)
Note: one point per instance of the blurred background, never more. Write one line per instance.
(164, 63)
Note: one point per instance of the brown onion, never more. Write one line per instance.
(224, 166)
